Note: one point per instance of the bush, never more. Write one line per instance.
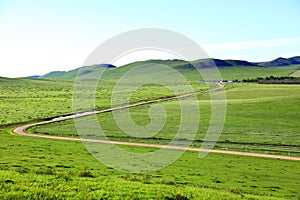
(84, 173)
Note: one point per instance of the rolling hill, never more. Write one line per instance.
(85, 72)
(88, 72)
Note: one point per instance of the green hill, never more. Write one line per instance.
(86, 72)
(54, 74)
(230, 69)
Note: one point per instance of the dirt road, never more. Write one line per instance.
(22, 131)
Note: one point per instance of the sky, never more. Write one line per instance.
(37, 37)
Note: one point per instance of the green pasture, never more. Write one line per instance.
(49, 169)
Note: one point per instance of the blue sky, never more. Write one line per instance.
(41, 36)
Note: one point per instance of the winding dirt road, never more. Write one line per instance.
(22, 131)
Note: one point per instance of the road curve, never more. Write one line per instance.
(22, 131)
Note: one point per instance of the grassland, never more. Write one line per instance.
(260, 118)
(28, 99)
(49, 169)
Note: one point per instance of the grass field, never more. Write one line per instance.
(28, 99)
(45, 168)
(260, 118)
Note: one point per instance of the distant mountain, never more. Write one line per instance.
(281, 62)
(89, 72)
(204, 63)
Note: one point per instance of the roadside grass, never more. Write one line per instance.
(50, 169)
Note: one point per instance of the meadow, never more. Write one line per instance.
(260, 118)
(49, 169)
(28, 99)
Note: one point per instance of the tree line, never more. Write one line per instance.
(275, 80)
